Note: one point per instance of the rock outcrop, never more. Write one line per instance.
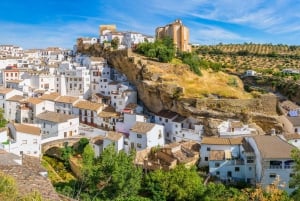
(158, 91)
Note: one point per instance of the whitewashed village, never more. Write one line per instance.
(54, 96)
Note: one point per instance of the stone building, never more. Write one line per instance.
(178, 32)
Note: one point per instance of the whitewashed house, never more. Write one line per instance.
(10, 73)
(121, 95)
(43, 81)
(229, 168)
(293, 124)
(107, 118)
(5, 94)
(74, 82)
(96, 65)
(12, 104)
(250, 73)
(229, 145)
(114, 138)
(273, 160)
(56, 126)
(105, 80)
(146, 135)
(186, 129)
(232, 128)
(25, 139)
(89, 40)
(131, 39)
(87, 111)
(132, 108)
(91, 62)
(30, 108)
(126, 123)
(164, 118)
(291, 109)
(293, 139)
(50, 98)
(99, 143)
(65, 104)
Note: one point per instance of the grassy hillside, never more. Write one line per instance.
(211, 83)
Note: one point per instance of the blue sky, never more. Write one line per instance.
(39, 24)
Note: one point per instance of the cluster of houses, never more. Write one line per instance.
(125, 39)
(51, 98)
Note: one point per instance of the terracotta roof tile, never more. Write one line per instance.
(272, 147)
(142, 127)
(34, 101)
(5, 90)
(113, 136)
(15, 98)
(222, 141)
(88, 105)
(55, 117)
(33, 130)
(67, 99)
(108, 112)
(52, 96)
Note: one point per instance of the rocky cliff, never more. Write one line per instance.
(159, 87)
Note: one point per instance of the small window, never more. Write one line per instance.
(250, 168)
(166, 120)
(208, 149)
(24, 141)
(217, 164)
(217, 173)
(160, 119)
(138, 135)
(139, 145)
(272, 175)
(237, 169)
(206, 158)
(34, 141)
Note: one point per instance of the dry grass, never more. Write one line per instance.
(195, 86)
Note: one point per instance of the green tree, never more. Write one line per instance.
(3, 121)
(122, 178)
(295, 181)
(115, 43)
(177, 184)
(81, 145)
(66, 153)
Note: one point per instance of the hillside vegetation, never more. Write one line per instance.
(210, 83)
(264, 58)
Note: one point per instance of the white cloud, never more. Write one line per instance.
(211, 35)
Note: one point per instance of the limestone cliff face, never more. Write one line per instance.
(157, 92)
